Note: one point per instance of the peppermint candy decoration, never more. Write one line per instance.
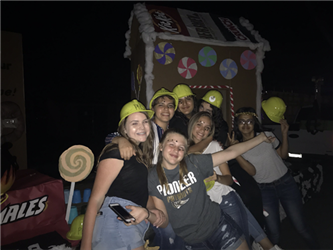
(76, 163)
(164, 53)
(187, 67)
(207, 56)
(248, 60)
(228, 69)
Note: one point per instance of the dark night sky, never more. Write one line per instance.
(73, 57)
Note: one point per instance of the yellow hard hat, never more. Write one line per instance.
(75, 233)
(133, 107)
(182, 90)
(162, 92)
(274, 108)
(213, 97)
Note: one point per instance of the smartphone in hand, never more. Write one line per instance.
(121, 212)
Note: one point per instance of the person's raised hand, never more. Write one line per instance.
(232, 140)
(284, 126)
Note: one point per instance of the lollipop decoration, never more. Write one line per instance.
(164, 53)
(228, 68)
(187, 67)
(207, 56)
(75, 164)
(248, 60)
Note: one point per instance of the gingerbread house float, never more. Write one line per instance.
(168, 46)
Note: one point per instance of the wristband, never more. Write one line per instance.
(148, 213)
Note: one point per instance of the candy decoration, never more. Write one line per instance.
(231, 93)
(228, 68)
(248, 60)
(139, 74)
(207, 56)
(187, 67)
(75, 164)
(164, 53)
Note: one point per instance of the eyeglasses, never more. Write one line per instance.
(248, 122)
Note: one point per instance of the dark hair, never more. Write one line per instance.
(195, 110)
(220, 124)
(257, 125)
(182, 165)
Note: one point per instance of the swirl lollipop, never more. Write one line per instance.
(75, 164)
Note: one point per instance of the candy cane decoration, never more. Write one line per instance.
(231, 91)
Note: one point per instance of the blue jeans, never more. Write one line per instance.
(285, 190)
(233, 205)
(227, 236)
(109, 231)
(167, 239)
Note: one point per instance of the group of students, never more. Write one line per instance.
(176, 168)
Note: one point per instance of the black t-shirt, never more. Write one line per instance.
(131, 182)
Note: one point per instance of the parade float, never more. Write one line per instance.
(168, 46)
